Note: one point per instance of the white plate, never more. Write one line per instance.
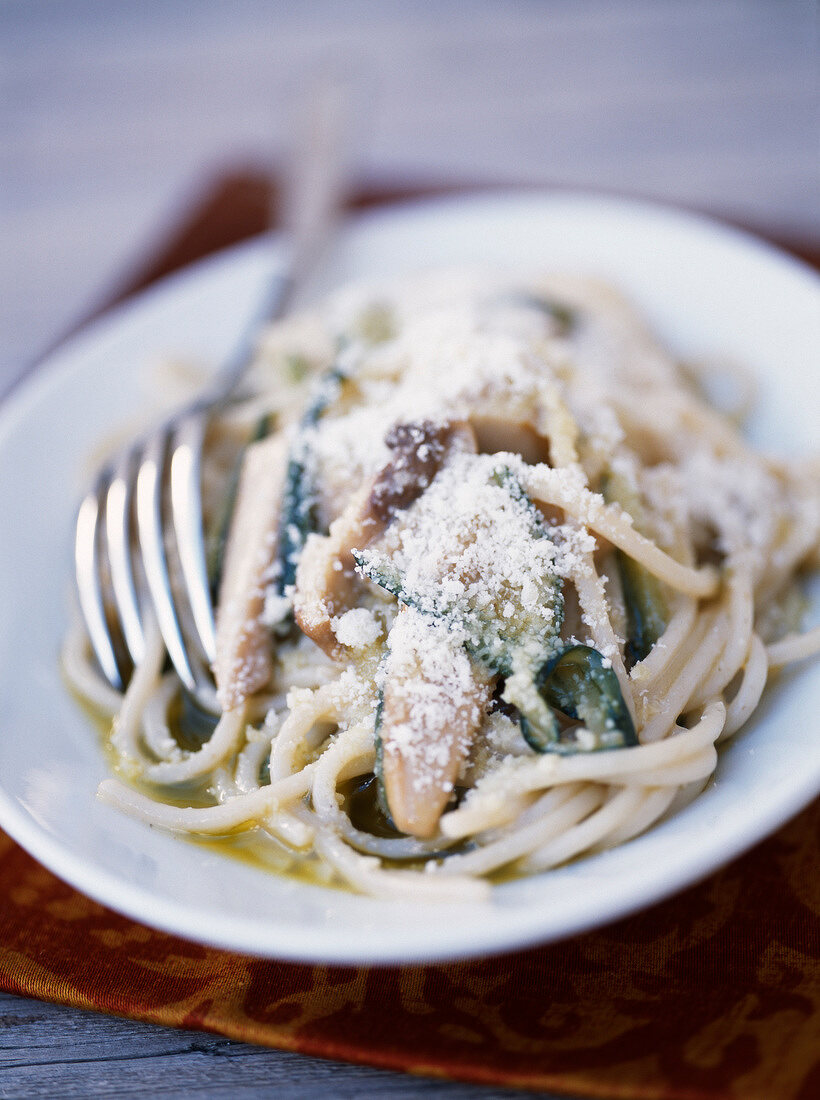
(707, 289)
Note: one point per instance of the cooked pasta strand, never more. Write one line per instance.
(496, 653)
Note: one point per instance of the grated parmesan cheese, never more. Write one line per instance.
(357, 628)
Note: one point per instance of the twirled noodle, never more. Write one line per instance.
(548, 486)
(794, 647)
(85, 677)
(498, 581)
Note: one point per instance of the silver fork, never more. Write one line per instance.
(123, 582)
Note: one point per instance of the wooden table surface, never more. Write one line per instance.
(111, 117)
(52, 1052)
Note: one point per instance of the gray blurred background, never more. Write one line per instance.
(113, 114)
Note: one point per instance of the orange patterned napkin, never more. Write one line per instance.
(714, 994)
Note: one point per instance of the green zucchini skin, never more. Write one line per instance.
(297, 522)
(574, 681)
(514, 652)
(647, 613)
(326, 393)
(577, 683)
(361, 801)
(378, 768)
(500, 651)
(298, 518)
(542, 678)
(366, 810)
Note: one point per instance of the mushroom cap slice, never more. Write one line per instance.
(326, 578)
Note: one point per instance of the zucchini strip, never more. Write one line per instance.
(505, 646)
(325, 578)
(577, 683)
(647, 612)
(298, 514)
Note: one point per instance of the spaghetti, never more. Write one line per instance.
(494, 581)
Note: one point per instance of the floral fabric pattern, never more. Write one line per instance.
(712, 994)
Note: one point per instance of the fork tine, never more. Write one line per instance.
(118, 534)
(149, 530)
(186, 508)
(109, 575)
(89, 586)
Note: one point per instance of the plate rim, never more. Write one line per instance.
(135, 902)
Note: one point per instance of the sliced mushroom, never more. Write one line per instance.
(418, 453)
(244, 658)
(326, 577)
(326, 574)
(434, 700)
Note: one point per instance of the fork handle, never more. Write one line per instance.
(312, 204)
